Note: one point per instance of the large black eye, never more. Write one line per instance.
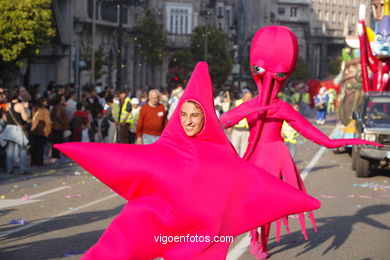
(280, 75)
(258, 70)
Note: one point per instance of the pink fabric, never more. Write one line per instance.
(184, 185)
(274, 50)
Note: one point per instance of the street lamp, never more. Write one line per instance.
(205, 13)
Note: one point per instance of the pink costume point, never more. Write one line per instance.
(273, 56)
(183, 186)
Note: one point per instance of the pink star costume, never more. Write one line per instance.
(273, 56)
(183, 185)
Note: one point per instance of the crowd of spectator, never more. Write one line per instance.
(32, 120)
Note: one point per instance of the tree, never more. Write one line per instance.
(24, 26)
(101, 60)
(150, 39)
(183, 62)
(334, 66)
(218, 56)
(301, 71)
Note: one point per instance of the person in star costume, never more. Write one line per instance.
(273, 55)
(186, 183)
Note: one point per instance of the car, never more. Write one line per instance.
(372, 121)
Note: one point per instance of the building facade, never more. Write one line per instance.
(321, 27)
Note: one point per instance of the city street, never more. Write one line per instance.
(61, 212)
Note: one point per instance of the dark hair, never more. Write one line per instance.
(57, 100)
(109, 99)
(40, 102)
(196, 104)
(14, 93)
(79, 106)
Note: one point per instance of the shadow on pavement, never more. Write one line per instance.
(57, 247)
(336, 228)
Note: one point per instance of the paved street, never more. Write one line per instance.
(66, 210)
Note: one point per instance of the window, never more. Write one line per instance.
(326, 16)
(179, 18)
(340, 17)
(319, 15)
(334, 17)
(293, 12)
(281, 11)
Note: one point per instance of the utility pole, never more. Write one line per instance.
(119, 50)
(93, 42)
(241, 41)
(206, 37)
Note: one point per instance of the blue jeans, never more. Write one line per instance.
(321, 114)
(149, 139)
(14, 152)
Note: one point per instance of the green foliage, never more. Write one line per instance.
(101, 60)
(218, 56)
(301, 71)
(183, 61)
(24, 26)
(334, 66)
(150, 39)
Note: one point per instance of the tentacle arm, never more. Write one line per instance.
(302, 125)
(233, 116)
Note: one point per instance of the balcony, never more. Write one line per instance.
(177, 41)
(297, 2)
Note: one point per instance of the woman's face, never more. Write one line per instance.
(192, 118)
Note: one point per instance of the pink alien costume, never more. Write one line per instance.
(184, 186)
(273, 56)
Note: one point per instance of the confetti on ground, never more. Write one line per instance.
(25, 197)
(49, 172)
(71, 196)
(327, 196)
(373, 185)
(74, 253)
(77, 173)
(358, 206)
(2, 197)
(364, 197)
(20, 221)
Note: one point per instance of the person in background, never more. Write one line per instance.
(134, 119)
(112, 108)
(3, 107)
(125, 117)
(152, 119)
(71, 103)
(290, 135)
(240, 132)
(320, 104)
(79, 119)
(305, 104)
(332, 100)
(15, 135)
(99, 127)
(40, 129)
(174, 100)
(226, 102)
(60, 123)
